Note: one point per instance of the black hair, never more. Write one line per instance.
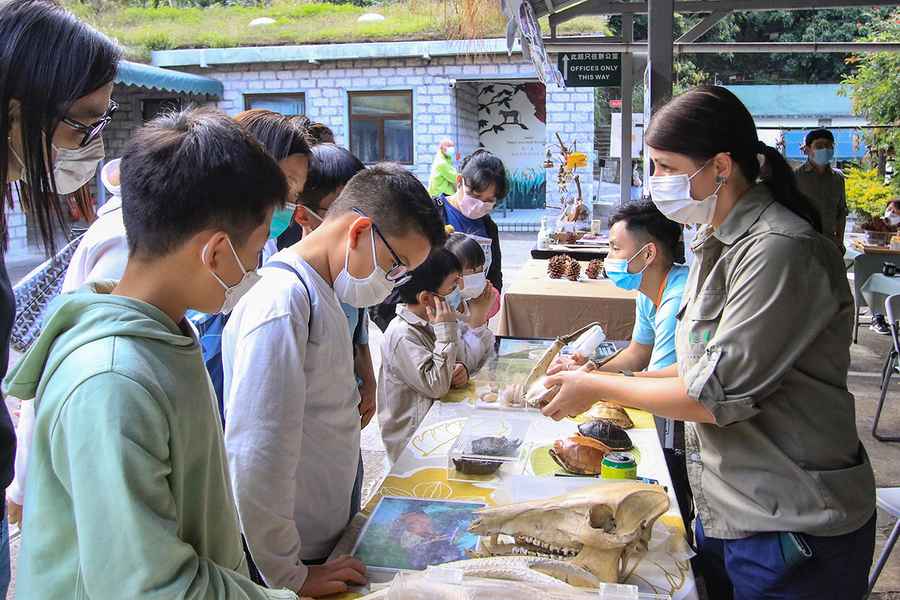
(48, 60)
(430, 275)
(645, 219)
(818, 134)
(275, 132)
(481, 169)
(330, 167)
(467, 250)
(707, 120)
(395, 200)
(315, 132)
(188, 171)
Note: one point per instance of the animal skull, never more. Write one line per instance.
(596, 528)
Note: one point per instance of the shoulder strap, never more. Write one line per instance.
(277, 264)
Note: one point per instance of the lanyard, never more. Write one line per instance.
(662, 288)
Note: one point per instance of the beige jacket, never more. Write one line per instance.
(416, 369)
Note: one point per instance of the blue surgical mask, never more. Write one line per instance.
(454, 299)
(617, 271)
(822, 156)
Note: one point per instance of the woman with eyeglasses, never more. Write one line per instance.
(56, 80)
(784, 490)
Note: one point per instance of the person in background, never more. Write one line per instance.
(892, 213)
(480, 185)
(892, 217)
(823, 185)
(421, 350)
(127, 445)
(55, 101)
(330, 169)
(784, 489)
(287, 145)
(103, 251)
(443, 174)
(642, 248)
(292, 404)
(477, 295)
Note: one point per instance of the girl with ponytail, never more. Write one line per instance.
(784, 490)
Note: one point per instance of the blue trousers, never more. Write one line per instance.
(4, 556)
(755, 568)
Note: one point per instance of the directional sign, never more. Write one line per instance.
(591, 69)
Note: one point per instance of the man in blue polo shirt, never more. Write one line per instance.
(643, 244)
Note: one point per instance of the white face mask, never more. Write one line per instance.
(893, 219)
(473, 285)
(233, 293)
(72, 168)
(362, 293)
(672, 196)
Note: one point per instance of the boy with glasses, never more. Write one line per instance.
(291, 401)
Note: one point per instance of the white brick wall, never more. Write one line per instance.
(439, 111)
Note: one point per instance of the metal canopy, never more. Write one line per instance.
(145, 76)
(661, 46)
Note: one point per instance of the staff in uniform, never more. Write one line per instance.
(784, 490)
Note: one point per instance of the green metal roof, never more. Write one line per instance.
(136, 74)
(803, 100)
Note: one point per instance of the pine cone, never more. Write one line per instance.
(593, 269)
(556, 267)
(573, 270)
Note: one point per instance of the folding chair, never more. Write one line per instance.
(888, 499)
(891, 363)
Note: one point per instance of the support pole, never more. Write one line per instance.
(661, 21)
(625, 172)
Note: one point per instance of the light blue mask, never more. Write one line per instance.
(454, 299)
(617, 271)
(822, 156)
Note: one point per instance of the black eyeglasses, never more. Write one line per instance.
(397, 274)
(92, 132)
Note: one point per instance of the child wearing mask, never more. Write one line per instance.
(330, 168)
(127, 490)
(291, 401)
(420, 351)
(477, 296)
(480, 185)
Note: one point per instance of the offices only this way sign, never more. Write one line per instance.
(591, 69)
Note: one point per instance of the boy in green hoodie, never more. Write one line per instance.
(128, 491)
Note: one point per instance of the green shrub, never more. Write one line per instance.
(867, 194)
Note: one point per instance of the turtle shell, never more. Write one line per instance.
(495, 446)
(471, 466)
(579, 454)
(607, 432)
(610, 412)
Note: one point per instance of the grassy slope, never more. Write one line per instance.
(297, 22)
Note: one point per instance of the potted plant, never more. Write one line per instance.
(867, 198)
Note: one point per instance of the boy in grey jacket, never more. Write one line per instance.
(420, 351)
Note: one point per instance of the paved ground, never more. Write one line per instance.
(864, 382)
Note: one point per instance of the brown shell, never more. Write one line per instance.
(579, 454)
(471, 466)
(608, 433)
(605, 411)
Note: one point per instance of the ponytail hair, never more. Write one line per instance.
(707, 120)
